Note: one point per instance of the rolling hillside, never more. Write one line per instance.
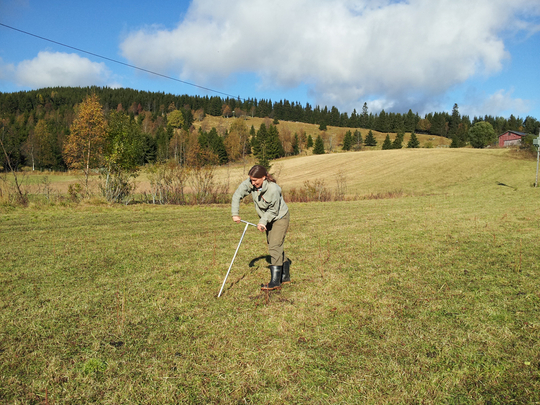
(337, 133)
(412, 171)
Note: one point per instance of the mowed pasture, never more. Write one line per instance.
(365, 173)
(430, 297)
(405, 171)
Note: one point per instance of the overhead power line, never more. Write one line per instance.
(120, 63)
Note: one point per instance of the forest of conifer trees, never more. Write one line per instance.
(35, 124)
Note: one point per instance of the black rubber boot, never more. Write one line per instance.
(275, 282)
(285, 274)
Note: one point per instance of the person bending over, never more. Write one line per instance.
(274, 219)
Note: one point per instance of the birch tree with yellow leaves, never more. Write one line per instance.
(83, 149)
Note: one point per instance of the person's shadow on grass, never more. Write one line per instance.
(253, 262)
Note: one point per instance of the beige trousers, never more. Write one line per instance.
(275, 237)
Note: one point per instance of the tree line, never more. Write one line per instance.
(35, 125)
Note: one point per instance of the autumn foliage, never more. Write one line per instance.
(84, 146)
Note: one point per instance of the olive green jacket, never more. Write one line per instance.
(269, 201)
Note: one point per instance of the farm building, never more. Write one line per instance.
(510, 138)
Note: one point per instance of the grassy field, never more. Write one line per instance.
(411, 171)
(365, 173)
(429, 298)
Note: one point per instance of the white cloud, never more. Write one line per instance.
(49, 69)
(500, 103)
(406, 52)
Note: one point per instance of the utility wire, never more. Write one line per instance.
(122, 63)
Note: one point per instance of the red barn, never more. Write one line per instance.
(510, 138)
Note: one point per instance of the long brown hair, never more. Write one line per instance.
(259, 172)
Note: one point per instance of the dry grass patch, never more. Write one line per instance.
(405, 171)
(356, 175)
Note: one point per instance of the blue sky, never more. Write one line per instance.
(424, 55)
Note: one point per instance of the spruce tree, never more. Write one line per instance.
(162, 143)
(455, 120)
(266, 145)
(381, 123)
(218, 147)
(309, 142)
(413, 141)
(410, 121)
(263, 161)
(364, 118)
(319, 146)
(347, 141)
(254, 142)
(398, 142)
(274, 148)
(387, 144)
(295, 149)
(370, 139)
(212, 142)
(149, 149)
(398, 124)
(258, 145)
(259, 142)
(322, 127)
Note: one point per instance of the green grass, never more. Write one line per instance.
(430, 298)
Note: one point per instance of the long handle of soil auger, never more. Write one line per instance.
(235, 253)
